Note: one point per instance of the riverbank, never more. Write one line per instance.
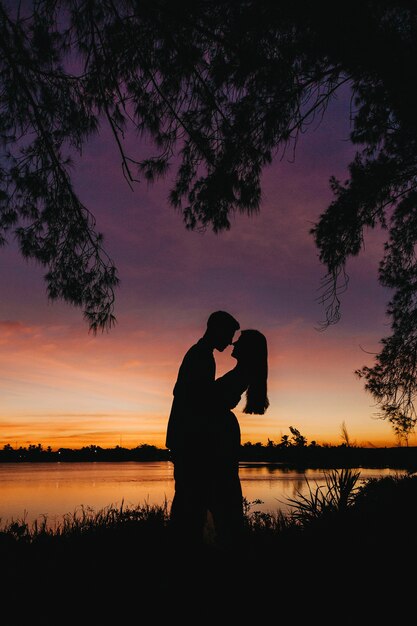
(347, 552)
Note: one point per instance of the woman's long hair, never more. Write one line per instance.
(254, 357)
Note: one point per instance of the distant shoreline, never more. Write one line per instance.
(316, 456)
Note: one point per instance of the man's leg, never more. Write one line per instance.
(188, 510)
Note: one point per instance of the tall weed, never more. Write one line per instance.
(336, 496)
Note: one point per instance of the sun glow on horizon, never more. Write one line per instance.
(61, 388)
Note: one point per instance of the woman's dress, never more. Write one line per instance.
(226, 500)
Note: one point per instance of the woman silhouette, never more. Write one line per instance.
(248, 377)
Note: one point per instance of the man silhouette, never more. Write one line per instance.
(189, 425)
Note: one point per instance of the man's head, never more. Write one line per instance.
(221, 327)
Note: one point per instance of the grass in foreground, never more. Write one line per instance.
(123, 560)
(341, 496)
(382, 509)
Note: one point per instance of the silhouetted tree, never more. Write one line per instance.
(285, 441)
(224, 87)
(299, 439)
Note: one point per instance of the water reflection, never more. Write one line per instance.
(277, 484)
(36, 490)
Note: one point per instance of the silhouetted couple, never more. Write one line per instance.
(203, 433)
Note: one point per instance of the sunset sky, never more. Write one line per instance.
(64, 387)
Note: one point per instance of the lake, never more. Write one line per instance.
(33, 491)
